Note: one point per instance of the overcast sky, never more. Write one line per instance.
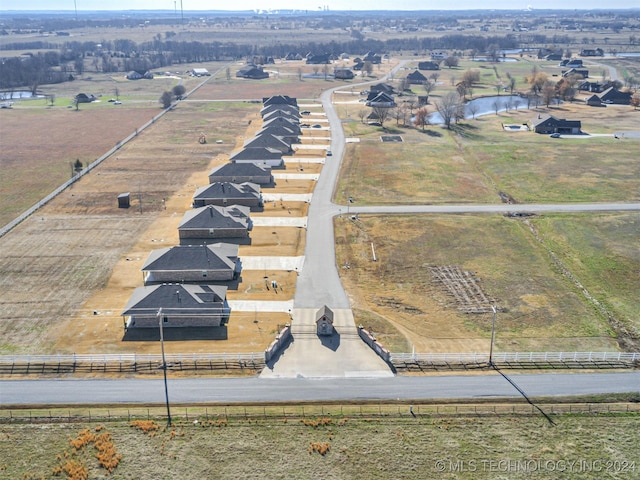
(311, 4)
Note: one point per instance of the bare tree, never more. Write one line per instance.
(362, 113)
(496, 104)
(448, 107)
(367, 68)
(428, 88)
(228, 74)
(473, 109)
(382, 113)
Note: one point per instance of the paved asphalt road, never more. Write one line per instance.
(228, 390)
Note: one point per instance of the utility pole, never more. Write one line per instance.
(493, 334)
(164, 366)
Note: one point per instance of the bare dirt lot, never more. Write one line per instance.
(39, 144)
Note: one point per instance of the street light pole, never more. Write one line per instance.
(164, 366)
(493, 334)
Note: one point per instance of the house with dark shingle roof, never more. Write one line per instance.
(343, 73)
(293, 117)
(280, 107)
(283, 122)
(270, 156)
(551, 124)
(382, 87)
(215, 223)
(269, 141)
(416, 78)
(286, 134)
(225, 194)
(176, 305)
(259, 173)
(278, 100)
(217, 262)
(428, 66)
(252, 72)
(381, 99)
(615, 96)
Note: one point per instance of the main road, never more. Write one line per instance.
(255, 390)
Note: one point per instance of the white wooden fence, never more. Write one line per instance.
(520, 359)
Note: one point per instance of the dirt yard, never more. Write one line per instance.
(80, 256)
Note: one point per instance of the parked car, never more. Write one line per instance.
(317, 125)
(329, 153)
(305, 112)
(117, 102)
(555, 135)
(304, 125)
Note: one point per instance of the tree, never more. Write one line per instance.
(116, 91)
(548, 94)
(178, 91)
(473, 109)
(325, 70)
(165, 99)
(428, 88)
(367, 68)
(451, 61)
(227, 73)
(496, 104)
(422, 117)
(362, 113)
(635, 101)
(382, 113)
(449, 108)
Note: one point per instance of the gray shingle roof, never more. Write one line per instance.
(228, 190)
(213, 216)
(218, 256)
(177, 299)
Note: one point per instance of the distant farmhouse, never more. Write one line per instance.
(591, 52)
(578, 72)
(138, 75)
(252, 72)
(84, 98)
(416, 78)
(343, 73)
(611, 96)
(550, 124)
(428, 66)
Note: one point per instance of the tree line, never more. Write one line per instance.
(71, 58)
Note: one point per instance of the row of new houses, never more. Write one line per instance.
(186, 285)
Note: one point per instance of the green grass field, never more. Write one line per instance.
(465, 445)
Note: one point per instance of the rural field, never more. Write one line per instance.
(343, 442)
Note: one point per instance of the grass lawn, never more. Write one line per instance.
(334, 447)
